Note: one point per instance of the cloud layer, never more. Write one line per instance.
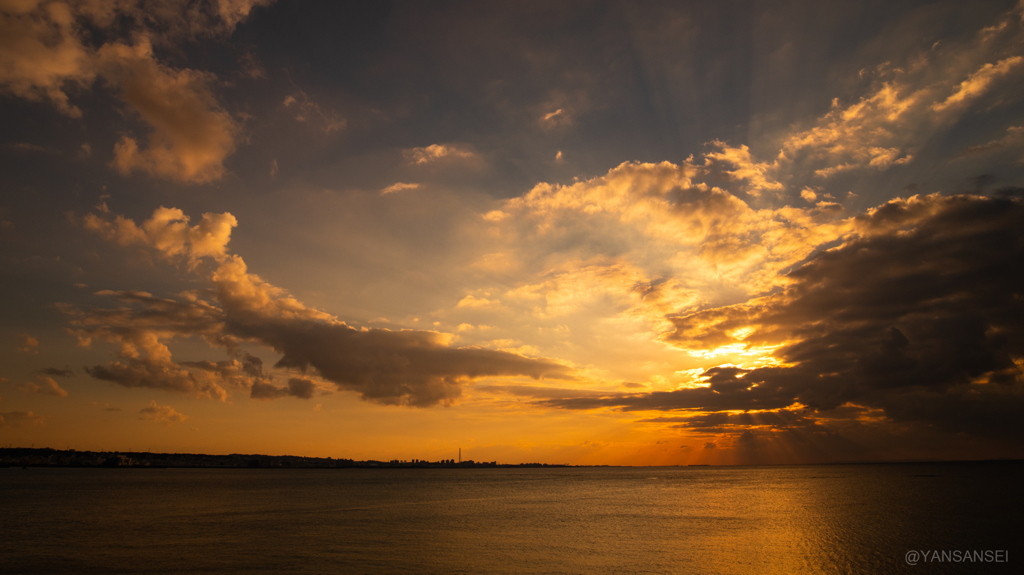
(622, 225)
(919, 316)
(411, 367)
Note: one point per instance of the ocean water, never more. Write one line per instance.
(707, 520)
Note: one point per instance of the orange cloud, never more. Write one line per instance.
(45, 385)
(42, 54)
(554, 119)
(979, 82)
(678, 228)
(861, 134)
(756, 174)
(471, 301)
(437, 152)
(191, 135)
(164, 414)
(911, 326)
(168, 232)
(398, 187)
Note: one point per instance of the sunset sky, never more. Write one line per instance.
(638, 233)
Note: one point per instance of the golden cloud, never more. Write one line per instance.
(43, 53)
(979, 82)
(191, 135)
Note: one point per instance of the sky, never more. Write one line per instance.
(624, 233)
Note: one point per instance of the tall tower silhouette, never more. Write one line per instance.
(460, 455)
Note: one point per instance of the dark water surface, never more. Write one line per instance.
(786, 520)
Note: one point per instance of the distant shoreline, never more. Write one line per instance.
(48, 457)
(13, 457)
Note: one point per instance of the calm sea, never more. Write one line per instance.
(786, 520)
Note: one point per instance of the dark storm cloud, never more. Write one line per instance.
(251, 367)
(142, 314)
(138, 326)
(922, 317)
(297, 387)
(167, 376)
(390, 367)
(56, 372)
(301, 388)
